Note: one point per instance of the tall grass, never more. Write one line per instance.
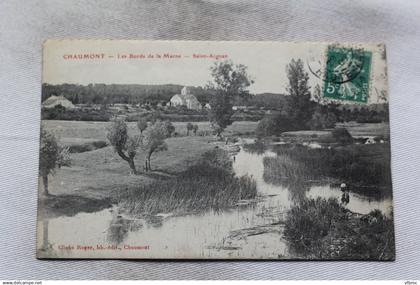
(358, 165)
(259, 147)
(323, 229)
(210, 183)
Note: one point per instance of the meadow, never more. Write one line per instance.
(97, 172)
(78, 132)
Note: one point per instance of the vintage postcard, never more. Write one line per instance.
(214, 150)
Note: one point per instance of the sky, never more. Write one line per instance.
(266, 62)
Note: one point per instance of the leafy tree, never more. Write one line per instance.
(154, 116)
(317, 95)
(273, 125)
(190, 127)
(301, 107)
(195, 129)
(342, 135)
(322, 118)
(170, 128)
(126, 146)
(153, 140)
(51, 156)
(229, 82)
(142, 124)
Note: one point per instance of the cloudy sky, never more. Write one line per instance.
(266, 62)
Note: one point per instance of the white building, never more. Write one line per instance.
(186, 98)
(53, 101)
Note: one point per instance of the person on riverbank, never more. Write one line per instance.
(345, 197)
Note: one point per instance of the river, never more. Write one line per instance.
(253, 229)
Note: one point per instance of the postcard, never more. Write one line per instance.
(214, 150)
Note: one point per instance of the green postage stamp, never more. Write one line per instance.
(347, 74)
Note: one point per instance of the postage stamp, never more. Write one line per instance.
(347, 74)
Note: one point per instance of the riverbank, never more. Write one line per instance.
(364, 168)
(228, 229)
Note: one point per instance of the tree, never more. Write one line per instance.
(142, 124)
(170, 128)
(322, 118)
(272, 125)
(153, 140)
(126, 146)
(229, 82)
(301, 107)
(195, 129)
(317, 97)
(190, 127)
(51, 156)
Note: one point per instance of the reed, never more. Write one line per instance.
(208, 184)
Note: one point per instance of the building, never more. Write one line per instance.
(186, 98)
(53, 101)
(236, 108)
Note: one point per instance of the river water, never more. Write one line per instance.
(250, 230)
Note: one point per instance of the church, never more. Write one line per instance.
(186, 98)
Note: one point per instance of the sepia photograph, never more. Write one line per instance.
(215, 150)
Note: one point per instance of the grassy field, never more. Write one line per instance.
(102, 173)
(77, 132)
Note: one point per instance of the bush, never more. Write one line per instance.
(87, 146)
(273, 125)
(323, 229)
(310, 221)
(341, 135)
(322, 118)
(60, 113)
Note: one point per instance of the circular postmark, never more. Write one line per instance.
(316, 65)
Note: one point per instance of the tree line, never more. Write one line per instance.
(303, 110)
(107, 94)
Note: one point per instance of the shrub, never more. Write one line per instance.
(323, 229)
(273, 125)
(341, 135)
(310, 221)
(60, 113)
(322, 118)
(87, 146)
